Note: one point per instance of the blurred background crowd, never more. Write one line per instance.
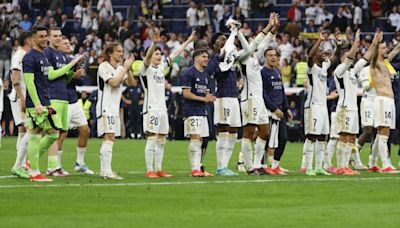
(90, 24)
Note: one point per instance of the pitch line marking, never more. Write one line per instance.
(200, 182)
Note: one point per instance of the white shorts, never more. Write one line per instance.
(334, 133)
(108, 124)
(384, 112)
(274, 136)
(76, 116)
(316, 120)
(227, 111)
(156, 122)
(347, 121)
(196, 125)
(254, 111)
(18, 116)
(367, 112)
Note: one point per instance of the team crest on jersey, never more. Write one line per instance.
(197, 79)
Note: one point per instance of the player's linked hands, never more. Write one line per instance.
(209, 98)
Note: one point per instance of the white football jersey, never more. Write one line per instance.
(109, 98)
(251, 73)
(317, 84)
(153, 83)
(346, 83)
(16, 64)
(363, 76)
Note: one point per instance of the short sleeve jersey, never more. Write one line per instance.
(109, 98)
(58, 86)
(16, 64)
(35, 62)
(153, 82)
(197, 82)
(317, 84)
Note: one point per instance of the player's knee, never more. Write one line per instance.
(321, 138)
(384, 131)
(109, 137)
(84, 131)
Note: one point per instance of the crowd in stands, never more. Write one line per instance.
(91, 24)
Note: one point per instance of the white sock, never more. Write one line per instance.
(259, 151)
(308, 151)
(59, 156)
(80, 155)
(330, 149)
(247, 153)
(159, 153)
(383, 150)
(303, 160)
(149, 152)
(340, 153)
(106, 157)
(375, 152)
(221, 144)
(21, 152)
(20, 136)
(194, 150)
(229, 148)
(320, 147)
(347, 155)
(241, 159)
(274, 164)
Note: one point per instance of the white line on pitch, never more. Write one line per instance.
(5, 177)
(201, 182)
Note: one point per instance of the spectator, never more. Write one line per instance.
(325, 16)
(173, 41)
(285, 48)
(298, 46)
(225, 17)
(58, 14)
(7, 122)
(5, 57)
(86, 104)
(105, 8)
(14, 20)
(129, 45)
(339, 21)
(294, 13)
(218, 11)
(394, 20)
(7, 5)
(312, 12)
(293, 29)
(347, 12)
(286, 73)
(4, 20)
(191, 15)
(300, 71)
(81, 15)
(376, 8)
(246, 30)
(203, 20)
(238, 15)
(357, 19)
(135, 120)
(124, 31)
(310, 27)
(244, 5)
(26, 24)
(66, 28)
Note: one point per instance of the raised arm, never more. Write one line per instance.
(181, 48)
(322, 37)
(375, 50)
(351, 55)
(246, 51)
(335, 58)
(54, 74)
(150, 51)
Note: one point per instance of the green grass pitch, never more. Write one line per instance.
(295, 200)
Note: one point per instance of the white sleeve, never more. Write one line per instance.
(16, 63)
(165, 63)
(342, 68)
(143, 70)
(359, 65)
(104, 74)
